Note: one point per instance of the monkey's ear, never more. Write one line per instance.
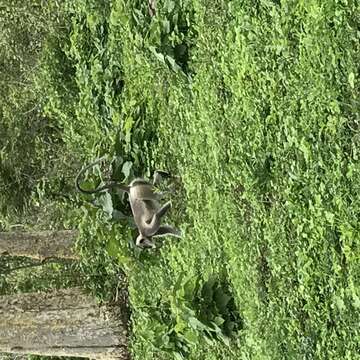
(165, 230)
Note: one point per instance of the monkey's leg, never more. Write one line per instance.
(154, 224)
(165, 230)
(161, 212)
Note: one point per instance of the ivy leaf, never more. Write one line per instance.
(340, 303)
(219, 320)
(166, 26)
(196, 324)
(158, 55)
(351, 80)
(191, 336)
(208, 340)
(105, 201)
(126, 168)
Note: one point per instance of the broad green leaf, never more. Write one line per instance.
(105, 201)
(118, 215)
(191, 336)
(195, 323)
(126, 168)
(219, 320)
(166, 26)
(173, 63)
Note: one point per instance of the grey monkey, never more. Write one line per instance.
(144, 202)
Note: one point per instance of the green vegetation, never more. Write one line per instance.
(256, 106)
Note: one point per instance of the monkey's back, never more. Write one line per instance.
(143, 205)
(141, 189)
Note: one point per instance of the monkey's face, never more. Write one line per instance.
(144, 242)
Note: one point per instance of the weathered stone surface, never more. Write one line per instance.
(39, 245)
(63, 323)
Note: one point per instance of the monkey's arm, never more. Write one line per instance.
(165, 230)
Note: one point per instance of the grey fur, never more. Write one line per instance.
(144, 202)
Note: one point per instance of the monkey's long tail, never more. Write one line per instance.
(109, 185)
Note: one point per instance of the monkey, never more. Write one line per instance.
(144, 202)
(147, 213)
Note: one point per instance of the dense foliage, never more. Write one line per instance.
(256, 106)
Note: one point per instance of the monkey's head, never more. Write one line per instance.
(144, 242)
